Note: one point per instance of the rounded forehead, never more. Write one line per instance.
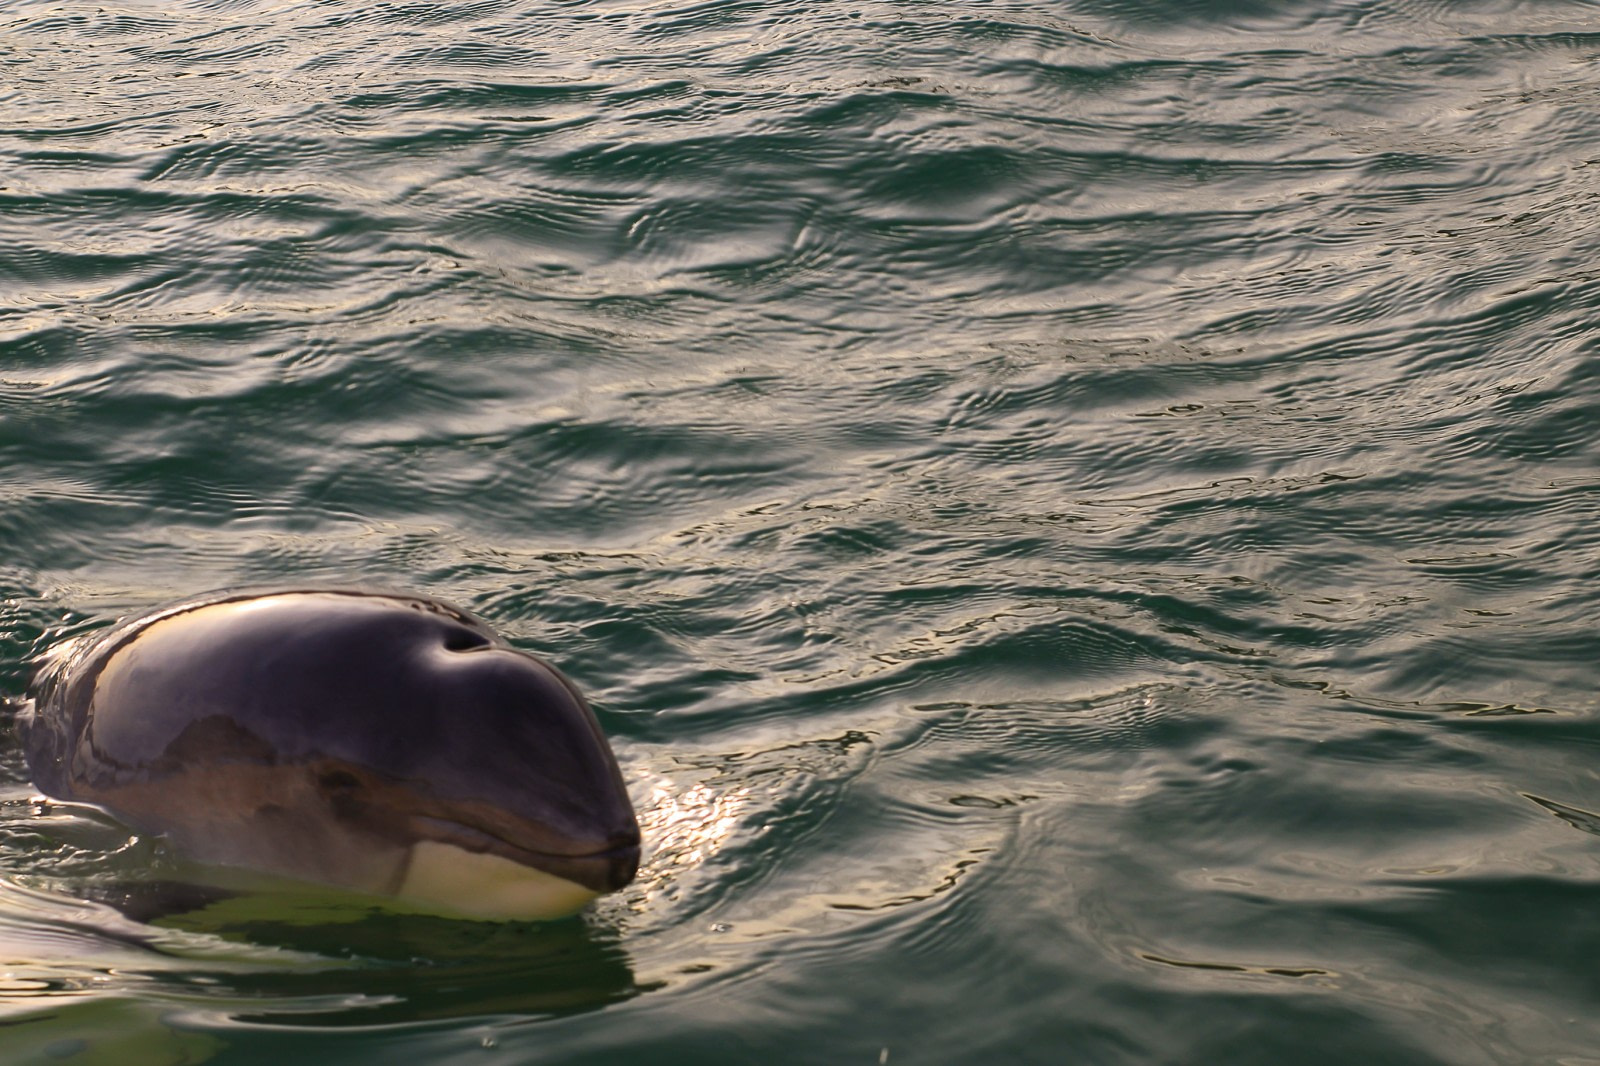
(279, 608)
(269, 664)
(216, 624)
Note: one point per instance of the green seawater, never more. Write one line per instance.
(1081, 518)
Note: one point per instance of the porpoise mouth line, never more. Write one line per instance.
(591, 869)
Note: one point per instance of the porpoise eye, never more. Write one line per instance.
(338, 781)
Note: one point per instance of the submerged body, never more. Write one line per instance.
(388, 744)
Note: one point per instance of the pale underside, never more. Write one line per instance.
(445, 879)
(440, 880)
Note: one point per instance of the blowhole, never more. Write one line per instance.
(463, 640)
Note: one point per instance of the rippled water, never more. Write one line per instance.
(1080, 518)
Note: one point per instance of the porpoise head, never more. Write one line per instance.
(388, 744)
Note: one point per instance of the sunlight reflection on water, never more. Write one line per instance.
(687, 827)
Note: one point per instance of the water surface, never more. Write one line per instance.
(1080, 518)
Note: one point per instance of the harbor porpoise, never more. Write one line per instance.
(385, 743)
